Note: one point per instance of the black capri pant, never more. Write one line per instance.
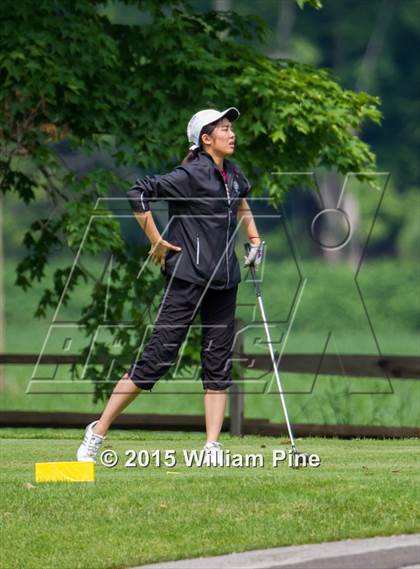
(177, 310)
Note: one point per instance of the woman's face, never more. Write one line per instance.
(222, 140)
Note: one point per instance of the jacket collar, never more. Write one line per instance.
(229, 167)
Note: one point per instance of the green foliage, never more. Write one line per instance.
(69, 73)
(301, 119)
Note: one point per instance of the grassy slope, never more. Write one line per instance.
(133, 516)
(329, 403)
(329, 400)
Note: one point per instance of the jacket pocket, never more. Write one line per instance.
(197, 250)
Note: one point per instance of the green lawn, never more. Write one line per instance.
(139, 515)
(332, 400)
(327, 400)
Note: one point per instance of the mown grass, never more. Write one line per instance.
(139, 515)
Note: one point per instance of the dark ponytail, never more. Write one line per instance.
(207, 129)
(192, 154)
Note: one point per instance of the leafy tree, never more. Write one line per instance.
(69, 73)
(371, 46)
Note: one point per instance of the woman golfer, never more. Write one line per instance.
(206, 198)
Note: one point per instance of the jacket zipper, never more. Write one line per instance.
(227, 234)
(227, 194)
(227, 229)
(198, 251)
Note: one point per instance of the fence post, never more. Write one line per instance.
(236, 392)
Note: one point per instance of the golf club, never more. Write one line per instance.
(252, 268)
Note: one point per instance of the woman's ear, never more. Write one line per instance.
(206, 138)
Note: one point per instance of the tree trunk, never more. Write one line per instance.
(285, 22)
(222, 5)
(331, 185)
(2, 315)
(333, 227)
(374, 47)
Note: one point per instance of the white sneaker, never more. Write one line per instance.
(89, 448)
(213, 454)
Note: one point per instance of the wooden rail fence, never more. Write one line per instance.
(355, 365)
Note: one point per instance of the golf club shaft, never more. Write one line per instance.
(273, 358)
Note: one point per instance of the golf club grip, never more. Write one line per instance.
(252, 269)
(247, 247)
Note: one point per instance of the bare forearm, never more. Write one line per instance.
(246, 219)
(148, 225)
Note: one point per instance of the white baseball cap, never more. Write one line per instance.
(205, 117)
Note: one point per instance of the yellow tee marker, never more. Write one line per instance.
(65, 472)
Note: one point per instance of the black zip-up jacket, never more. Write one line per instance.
(202, 218)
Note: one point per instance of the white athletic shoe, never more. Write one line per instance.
(213, 454)
(89, 448)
